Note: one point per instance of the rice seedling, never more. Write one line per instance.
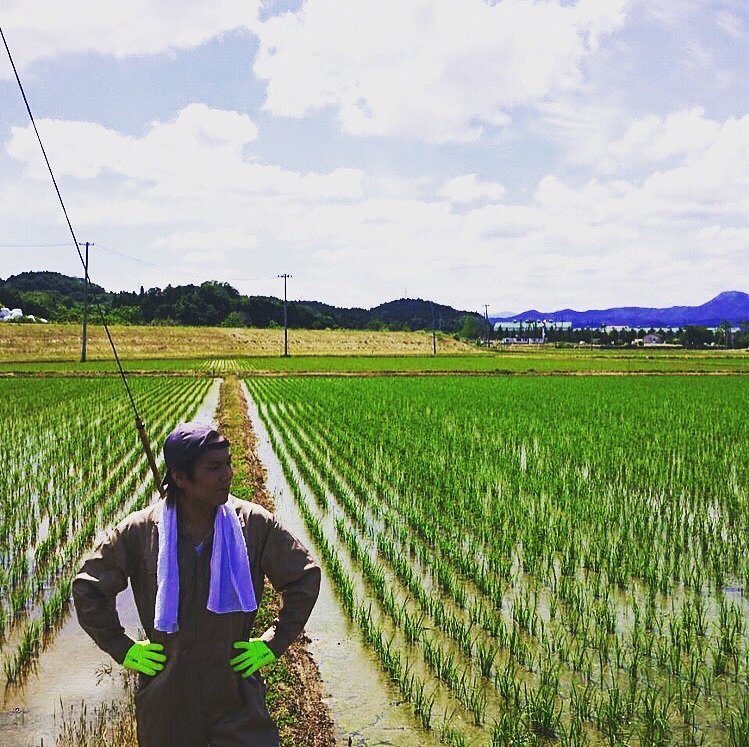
(71, 466)
(581, 527)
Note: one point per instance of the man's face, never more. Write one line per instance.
(211, 478)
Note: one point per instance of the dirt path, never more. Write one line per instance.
(295, 696)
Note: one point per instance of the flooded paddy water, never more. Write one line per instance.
(366, 707)
(69, 673)
(73, 671)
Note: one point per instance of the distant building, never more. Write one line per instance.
(509, 326)
(609, 328)
(522, 329)
(523, 340)
(652, 339)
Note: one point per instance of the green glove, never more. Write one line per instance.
(256, 654)
(145, 657)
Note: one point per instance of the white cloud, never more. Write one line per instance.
(432, 70)
(731, 24)
(716, 183)
(657, 138)
(204, 256)
(199, 203)
(47, 28)
(468, 188)
(200, 152)
(203, 246)
(710, 187)
(669, 12)
(606, 141)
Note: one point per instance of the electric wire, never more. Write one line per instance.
(32, 246)
(138, 422)
(137, 260)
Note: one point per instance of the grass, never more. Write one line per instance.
(55, 349)
(62, 342)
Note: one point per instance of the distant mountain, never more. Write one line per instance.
(732, 306)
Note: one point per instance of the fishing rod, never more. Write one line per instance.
(139, 425)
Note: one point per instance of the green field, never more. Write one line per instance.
(72, 467)
(533, 558)
(536, 559)
(501, 361)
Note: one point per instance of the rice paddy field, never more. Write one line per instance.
(535, 560)
(71, 468)
(541, 361)
(532, 559)
(55, 348)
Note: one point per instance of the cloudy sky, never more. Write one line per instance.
(517, 153)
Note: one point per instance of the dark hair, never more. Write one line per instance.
(187, 469)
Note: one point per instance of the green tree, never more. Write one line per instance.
(234, 319)
(125, 315)
(472, 327)
(696, 337)
(741, 338)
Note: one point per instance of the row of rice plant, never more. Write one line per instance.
(72, 466)
(579, 544)
(509, 362)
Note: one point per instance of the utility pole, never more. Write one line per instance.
(285, 318)
(434, 333)
(488, 326)
(85, 302)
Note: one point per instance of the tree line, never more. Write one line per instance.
(60, 298)
(725, 335)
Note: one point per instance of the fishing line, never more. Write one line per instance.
(141, 428)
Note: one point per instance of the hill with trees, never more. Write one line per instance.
(59, 298)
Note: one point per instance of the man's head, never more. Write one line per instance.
(184, 446)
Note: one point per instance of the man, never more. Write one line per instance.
(196, 561)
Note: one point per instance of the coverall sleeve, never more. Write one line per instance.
(103, 576)
(294, 574)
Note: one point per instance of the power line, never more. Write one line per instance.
(171, 268)
(131, 258)
(32, 246)
(137, 260)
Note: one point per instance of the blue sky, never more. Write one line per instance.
(547, 154)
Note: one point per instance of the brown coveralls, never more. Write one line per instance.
(197, 699)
